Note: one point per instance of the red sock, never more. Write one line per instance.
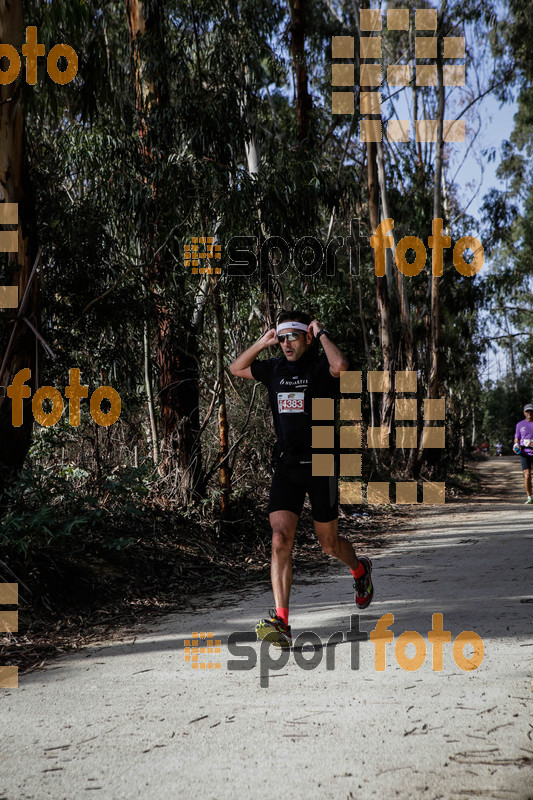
(359, 572)
(283, 613)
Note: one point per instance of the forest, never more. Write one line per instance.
(212, 129)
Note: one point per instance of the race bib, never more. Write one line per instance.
(290, 402)
(527, 442)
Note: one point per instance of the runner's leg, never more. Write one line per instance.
(283, 524)
(324, 497)
(527, 481)
(335, 545)
(341, 548)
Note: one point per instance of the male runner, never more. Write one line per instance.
(523, 446)
(292, 381)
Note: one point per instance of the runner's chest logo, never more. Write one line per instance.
(290, 402)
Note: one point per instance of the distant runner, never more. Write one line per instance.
(292, 381)
(499, 448)
(523, 446)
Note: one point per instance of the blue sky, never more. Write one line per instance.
(498, 125)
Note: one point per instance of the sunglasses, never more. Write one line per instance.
(290, 337)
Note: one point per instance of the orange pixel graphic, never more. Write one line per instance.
(349, 412)
(371, 75)
(192, 649)
(9, 215)
(9, 624)
(193, 255)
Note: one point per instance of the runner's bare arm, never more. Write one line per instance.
(241, 366)
(336, 359)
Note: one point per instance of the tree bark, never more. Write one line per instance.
(298, 11)
(224, 468)
(150, 396)
(176, 344)
(382, 295)
(412, 37)
(389, 254)
(271, 279)
(431, 457)
(434, 367)
(405, 311)
(14, 188)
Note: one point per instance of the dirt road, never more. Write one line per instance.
(133, 718)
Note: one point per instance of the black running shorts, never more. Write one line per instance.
(291, 484)
(526, 460)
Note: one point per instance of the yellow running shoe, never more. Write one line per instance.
(274, 630)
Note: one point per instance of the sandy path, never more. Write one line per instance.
(133, 719)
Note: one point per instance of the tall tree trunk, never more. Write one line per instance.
(253, 157)
(271, 279)
(384, 197)
(373, 450)
(176, 342)
(150, 396)
(405, 311)
(382, 295)
(224, 468)
(298, 10)
(434, 367)
(512, 361)
(14, 188)
(414, 89)
(432, 456)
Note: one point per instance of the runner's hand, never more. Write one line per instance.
(269, 339)
(315, 327)
(516, 448)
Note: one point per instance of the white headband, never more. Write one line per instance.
(298, 325)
